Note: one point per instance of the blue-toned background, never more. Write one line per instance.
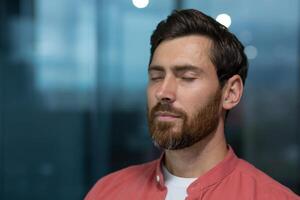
(72, 90)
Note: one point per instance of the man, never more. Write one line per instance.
(197, 72)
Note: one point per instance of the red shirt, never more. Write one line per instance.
(231, 179)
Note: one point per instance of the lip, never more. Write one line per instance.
(166, 116)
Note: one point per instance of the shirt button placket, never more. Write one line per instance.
(157, 178)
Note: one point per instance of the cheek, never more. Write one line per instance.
(150, 97)
(192, 102)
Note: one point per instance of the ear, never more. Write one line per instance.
(232, 92)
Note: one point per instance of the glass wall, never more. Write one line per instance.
(269, 113)
(48, 53)
(73, 100)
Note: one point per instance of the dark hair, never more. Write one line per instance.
(227, 53)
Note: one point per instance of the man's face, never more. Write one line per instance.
(183, 93)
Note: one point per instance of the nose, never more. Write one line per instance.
(166, 92)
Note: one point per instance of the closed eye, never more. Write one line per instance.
(155, 75)
(188, 79)
(155, 78)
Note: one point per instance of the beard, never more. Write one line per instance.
(185, 131)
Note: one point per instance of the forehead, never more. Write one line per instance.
(187, 50)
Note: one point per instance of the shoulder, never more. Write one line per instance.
(265, 187)
(121, 180)
(130, 172)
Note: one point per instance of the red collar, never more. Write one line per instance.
(214, 175)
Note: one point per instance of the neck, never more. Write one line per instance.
(196, 160)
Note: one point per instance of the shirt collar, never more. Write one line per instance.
(214, 175)
(159, 178)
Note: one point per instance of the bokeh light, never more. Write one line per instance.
(251, 51)
(140, 3)
(224, 19)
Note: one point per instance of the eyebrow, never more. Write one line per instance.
(155, 68)
(177, 68)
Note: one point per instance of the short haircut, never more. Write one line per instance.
(227, 53)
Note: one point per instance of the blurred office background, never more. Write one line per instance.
(72, 90)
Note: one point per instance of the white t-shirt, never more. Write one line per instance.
(176, 185)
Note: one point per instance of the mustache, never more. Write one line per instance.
(166, 107)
